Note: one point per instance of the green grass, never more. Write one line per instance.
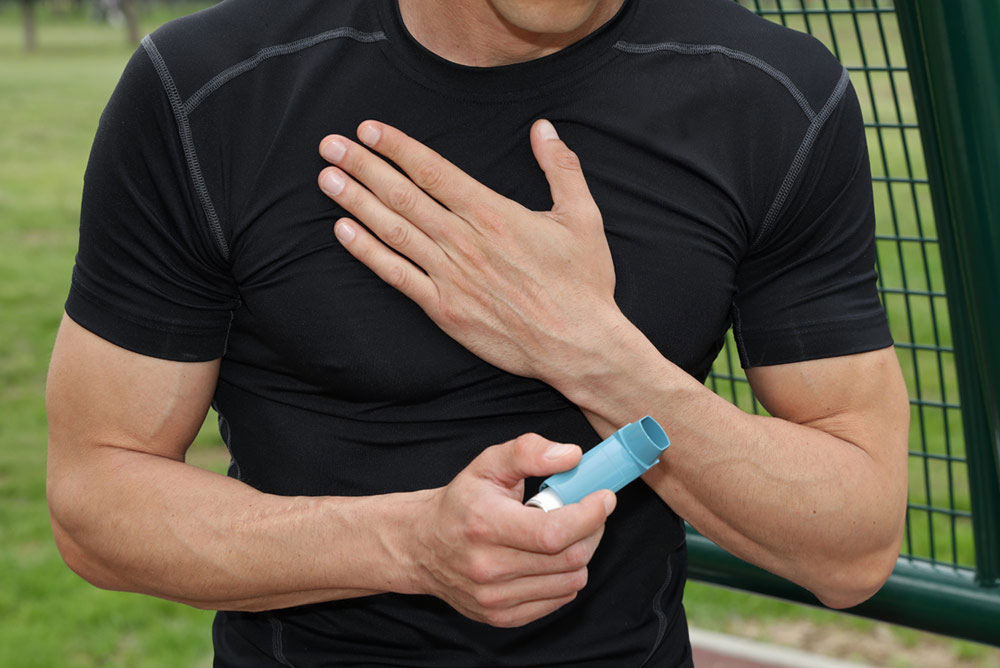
(50, 102)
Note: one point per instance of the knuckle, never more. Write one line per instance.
(397, 236)
(488, 598)
(401, 197)
(483, 571)
(524, 444)
(428, 175)
(505, 619)
(468, 249)
(551, 539)
(578, 579)
(475, 528)
(356, 161)
(450, 313)
(488, 217)
(397, 277)
(567, 159)
(595, 538)
(368, 252)
(495, 619)
(578, 555)
(528, 439)
(510, 622)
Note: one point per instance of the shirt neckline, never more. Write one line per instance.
(499, 81)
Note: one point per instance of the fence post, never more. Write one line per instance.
(953, 54)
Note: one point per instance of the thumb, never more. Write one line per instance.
(562, 170)
(526, 456)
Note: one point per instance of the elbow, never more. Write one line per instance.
(61, 516)
(848, 584)
(77, 558)
(92, 556)
(69, 528)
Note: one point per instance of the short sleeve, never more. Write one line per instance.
(807, 287)
(149, 276)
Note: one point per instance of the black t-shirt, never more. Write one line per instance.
(727, 156)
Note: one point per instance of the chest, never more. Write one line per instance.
(317, 315)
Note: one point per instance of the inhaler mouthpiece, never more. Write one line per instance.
(611, 464)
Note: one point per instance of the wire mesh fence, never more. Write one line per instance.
(864, 35)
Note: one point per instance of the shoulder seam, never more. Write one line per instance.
(698, 49)
(805, 147)
(187, 143)
(250, 63)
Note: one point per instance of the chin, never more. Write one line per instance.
(546, 16)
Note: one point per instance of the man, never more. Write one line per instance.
(361, 372)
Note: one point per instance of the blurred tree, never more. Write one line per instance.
(127, 8)
(30, 30)
(119, 12)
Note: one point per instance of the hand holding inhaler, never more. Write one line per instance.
(475, 545)
(611, 464)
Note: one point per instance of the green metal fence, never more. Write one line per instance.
(933, 132)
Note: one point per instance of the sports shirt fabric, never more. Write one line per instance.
(727, 156)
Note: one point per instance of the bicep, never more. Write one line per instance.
(99, 395)
(859, 398)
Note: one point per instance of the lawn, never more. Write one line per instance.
(50, 102)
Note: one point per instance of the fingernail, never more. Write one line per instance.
(370, 135)
(334, 150)
(557, 450)
(547, 131)
(610, 500)
(333, 183)
(344, 232)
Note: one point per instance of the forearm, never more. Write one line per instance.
(134, 521)
(794, 499)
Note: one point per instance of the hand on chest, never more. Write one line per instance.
(323, 316)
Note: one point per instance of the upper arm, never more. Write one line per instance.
(859, 398)
(111, 410)
(101, 397)
(105, 403)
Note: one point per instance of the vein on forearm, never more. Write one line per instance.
(783, 495)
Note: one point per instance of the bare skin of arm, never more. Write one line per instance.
(815, 494)
(128, 513)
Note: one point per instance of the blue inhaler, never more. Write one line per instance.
(611, 464)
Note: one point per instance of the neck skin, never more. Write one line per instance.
(473, 32)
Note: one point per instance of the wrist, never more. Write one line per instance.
(385, 546)
(406, 546)
(579, 352)
(613, 371)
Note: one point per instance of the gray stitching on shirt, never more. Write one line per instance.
(227, 75)
(800, 156)
(741, 347)
(695, 49)
(662, 622)
(187, 143)
(276, 648)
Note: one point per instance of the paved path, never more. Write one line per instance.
(718, 650)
